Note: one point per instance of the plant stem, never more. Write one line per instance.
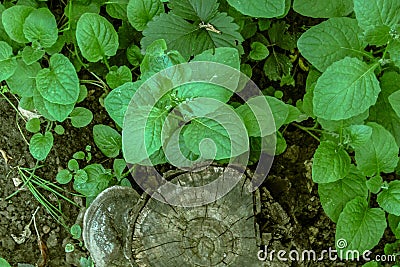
(308, 130)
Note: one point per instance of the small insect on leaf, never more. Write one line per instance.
(209, 27)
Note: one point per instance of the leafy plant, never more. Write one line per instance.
(352, 95)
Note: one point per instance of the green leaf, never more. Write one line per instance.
(337, 126)
(335, 195)
(82, 93)
(394, 224)
(378, 36)
(64, 177)
(394, 100)
(79, 155)
(4, 263)
(347, 88)
(383, 112)
(394, 52)
(146, 127)
(118, 9)
(8, 64)
(223, 55)
(358, 134)
(81, 176)
(279, 36)
(13, 19)
(30, 55)
(389, 198)
(33, 125)
(73, 165)
(107, 140)
(117, 101)
(374, 184)
(259, 8)
(276, 66)
(209, 138)
(134, 55)
(323, 8)
(191, 39)
(41, 26)
(360, 226)
(371, 13)
(40, 145)
(119, 165)
(258, 51)
(96, 37)
(118, 76)
(256, 119)
(81, 117)
(331, 163)
(97, 180)
(140, 12)
(59, 130)
(331, 41)
(58, 84)
(379, 153)
(76, 231)
(194, 10)
(23, 81)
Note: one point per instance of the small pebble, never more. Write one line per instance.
(46, 229)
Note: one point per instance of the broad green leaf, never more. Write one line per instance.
(140, 12)
(337, 126)
(81, 117)
(117, 101)
(52, 111)
(394, 224)
(372, 13)
(192, 39)
(256, 118)
(394, 52)
(378, 36)
(96, 37)
(64, 176)
(383, 112)
(331, 41)
(118, 76)
(96, 181)
(41, 26)
(331, 163)
(59, 130)
(335, 195)
(107, 140)
(13, 20)
(223, 55)
(118, 9)
(23, 81)
(8, 64)
(209, 138)
(145, 128)
(194, 10)
(58, 84)
(73, 165)
(82, 93)
(347, 88)
(4, 263)
(358, 134)
(40, 145)
(394, 100)
(323, 8)
(389, 198)
(33, 125)
(374, 184)
(360, 226)
(379, 153)
(258, 51)
(260, 8)
(134, 55)
(30, 55)
(119, 165)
